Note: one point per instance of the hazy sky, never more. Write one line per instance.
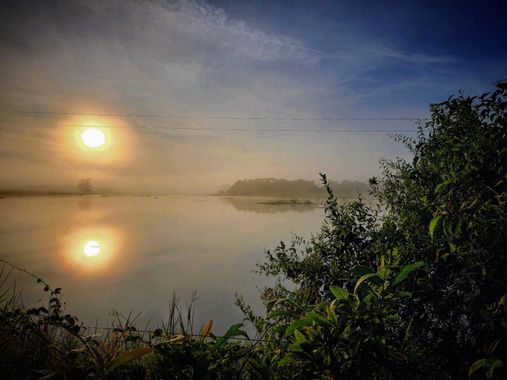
(206, 60)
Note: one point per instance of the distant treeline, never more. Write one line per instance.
(33, 193)
(273, 187)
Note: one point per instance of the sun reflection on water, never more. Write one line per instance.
(92, 249)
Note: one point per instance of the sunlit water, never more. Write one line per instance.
(132, 253)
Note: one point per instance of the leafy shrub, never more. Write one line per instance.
(413, 287)
(445, 210)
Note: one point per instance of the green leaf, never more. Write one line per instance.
(488, 364)
(234, 330)
(331, 314)
(406, 270)
(297, 324)
(441, 185)
(278, 313)
(433, 224)
(476, 366)
(383, 272)
(493, 365)
(300, 338)
(339, 293)
(317, 317)
(286, 360)
(363, 279)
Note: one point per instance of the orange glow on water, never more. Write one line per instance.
(93, 249)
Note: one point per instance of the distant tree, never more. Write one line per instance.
(274, 186)
(84, 185)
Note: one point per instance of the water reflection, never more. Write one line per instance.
(92, 249)
(84, 203)
(129, 253)
(272, 205)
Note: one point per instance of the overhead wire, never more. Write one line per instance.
(220, 117)
(306, 130)
(230, 118)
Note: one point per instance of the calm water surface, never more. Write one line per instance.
(132, 253)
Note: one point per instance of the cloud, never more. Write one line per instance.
(192, 58)
(204, 26)
(385, 51)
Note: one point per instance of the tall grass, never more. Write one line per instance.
(46, 343)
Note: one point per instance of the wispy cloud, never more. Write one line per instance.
(192, 58)
(388, 52)
(213, 26)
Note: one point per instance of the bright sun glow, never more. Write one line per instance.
(93, 137)
(91, 248)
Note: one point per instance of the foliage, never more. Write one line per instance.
(356, 335)
(45, 343)
(413, 286)
(444, 211)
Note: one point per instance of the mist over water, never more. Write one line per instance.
(131, 253)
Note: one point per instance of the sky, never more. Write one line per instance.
(162, 70)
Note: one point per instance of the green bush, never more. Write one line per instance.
(444, 210)
(410, 287)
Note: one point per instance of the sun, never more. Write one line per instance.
(91, 248)
(93, 137)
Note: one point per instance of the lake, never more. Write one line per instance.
(130, 253)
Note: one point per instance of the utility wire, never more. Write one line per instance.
(172, 116)
(307, 130)
(232, 118)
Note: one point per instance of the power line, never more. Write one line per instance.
(262, 130)
(221, 117)
(232, 118)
